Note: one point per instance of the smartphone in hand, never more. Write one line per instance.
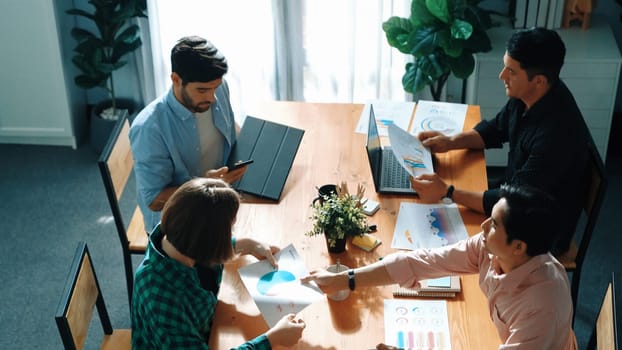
(239, 164)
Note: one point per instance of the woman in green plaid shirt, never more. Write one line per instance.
(171, 307)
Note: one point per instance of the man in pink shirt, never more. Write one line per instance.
(527, 288)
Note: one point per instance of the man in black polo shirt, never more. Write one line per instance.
(542, 124)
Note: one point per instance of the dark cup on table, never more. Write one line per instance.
(323, 192)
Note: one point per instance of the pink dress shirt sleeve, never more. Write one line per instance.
(461, 258)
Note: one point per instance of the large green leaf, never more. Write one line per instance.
(420, 15)
(82, 34)
(461, 29)
(413, 80)
(126, 42)
(397, 31)
(457, 8)
(423, 41)
(463, 66)
(452, 47)
(78, 12)
(439, 9)
(478, 42)
(433, 66)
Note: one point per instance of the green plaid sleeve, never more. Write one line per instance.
(259, 343)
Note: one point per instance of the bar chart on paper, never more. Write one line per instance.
(416, 324)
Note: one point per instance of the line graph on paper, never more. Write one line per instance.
(427, 226)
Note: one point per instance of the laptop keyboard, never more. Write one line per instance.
(393, 175)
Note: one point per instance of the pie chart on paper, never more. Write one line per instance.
(275, 282)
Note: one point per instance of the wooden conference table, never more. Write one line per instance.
(331, 152)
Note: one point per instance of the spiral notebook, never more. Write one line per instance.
(444, 287)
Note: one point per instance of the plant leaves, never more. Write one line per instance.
(420, 15)
(442, 37)
(461, 30)
(463, 66)
(433, 66)
(397, 31)
(478, 42)
(423, 41)
(99, 53)
(439, 9)
(414, 79)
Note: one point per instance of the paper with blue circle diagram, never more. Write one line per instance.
(428, 226)
(409, 152)
(279, 292)
(445, 117)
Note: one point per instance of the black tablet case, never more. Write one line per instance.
(273, 148)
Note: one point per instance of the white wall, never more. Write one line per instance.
(34, 101)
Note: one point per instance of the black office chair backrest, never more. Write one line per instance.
(81, 295)
(608, 328)
(116, 165)
(595, 181)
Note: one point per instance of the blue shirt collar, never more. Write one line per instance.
(179, 110)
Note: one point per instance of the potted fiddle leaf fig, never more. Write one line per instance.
(102, 49)
(442, 36)
(338, 216)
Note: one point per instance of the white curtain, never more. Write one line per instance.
(315, 50)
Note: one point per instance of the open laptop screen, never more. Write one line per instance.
(374, 148)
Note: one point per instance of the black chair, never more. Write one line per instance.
(75, 310)
(595, 185)
(116, 164)
(608, 327)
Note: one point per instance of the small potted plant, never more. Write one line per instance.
(338, 216)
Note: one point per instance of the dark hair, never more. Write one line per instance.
(197, 220)
(539, 51)
(532, 217)
(197, 60)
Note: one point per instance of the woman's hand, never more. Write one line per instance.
(286, 332)
(257, 249)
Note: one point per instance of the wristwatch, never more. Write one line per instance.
(351, 279)
(448, 199)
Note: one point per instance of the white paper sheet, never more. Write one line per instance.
(447, 118)
(386, 112)
(416, 324)
(279, 292)
(428, 226)
(409, 152)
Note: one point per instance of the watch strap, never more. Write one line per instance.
(449, 196)
(351, 283)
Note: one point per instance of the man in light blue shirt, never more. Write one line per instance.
(186, 133)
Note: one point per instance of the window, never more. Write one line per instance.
(316, 50)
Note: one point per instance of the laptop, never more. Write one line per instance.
(389, 175)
